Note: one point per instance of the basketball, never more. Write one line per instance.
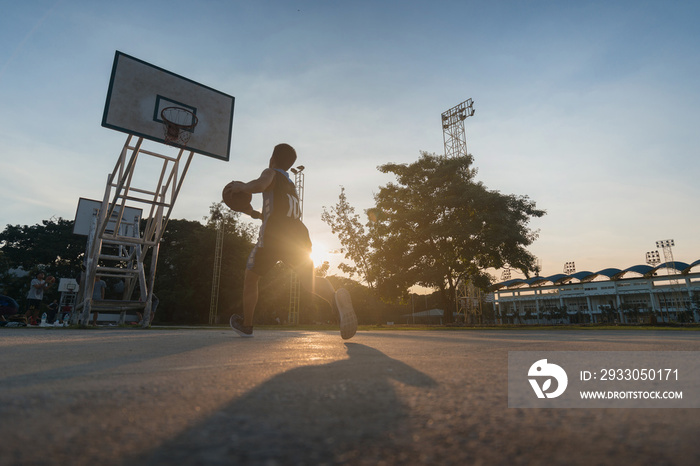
(50, 279)
(239, 202)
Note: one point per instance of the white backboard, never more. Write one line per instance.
(139, 91)
(89, 208)
(68, 285)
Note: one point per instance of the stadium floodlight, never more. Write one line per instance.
(458, 112)
(666, 246)
(653, 258)
(666, 243)
(569, 268)
(453, 133)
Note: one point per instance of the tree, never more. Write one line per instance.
(185, 266)
(185, 263)
(50, 246)
(437, 224)
(218, 212)
(322, 270)
(354, 238)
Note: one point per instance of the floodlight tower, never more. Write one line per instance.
(453, 134)
(666, 245)
(654, 259)
(295, 288)
(468, 301)
(455, 140)
(299, 185)
(216, 277)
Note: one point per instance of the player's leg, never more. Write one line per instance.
(260, 262)
(243, 326)
(250, 296)
(348, 318)
(318, 286)
(339, 300)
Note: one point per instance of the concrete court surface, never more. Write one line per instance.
(206, 396)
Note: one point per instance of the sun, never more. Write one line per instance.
(319, 254)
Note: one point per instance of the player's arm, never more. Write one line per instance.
(252, 212)
(257, 185)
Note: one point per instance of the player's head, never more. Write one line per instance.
(283, 156)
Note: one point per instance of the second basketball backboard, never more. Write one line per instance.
(88, 209)
(139, 91)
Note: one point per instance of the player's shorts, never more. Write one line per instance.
(262, 259)
(292, 249)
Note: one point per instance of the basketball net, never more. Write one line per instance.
(178, 125)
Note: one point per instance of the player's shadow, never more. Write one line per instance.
(308, 415)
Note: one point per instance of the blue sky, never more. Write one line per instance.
(589, 108)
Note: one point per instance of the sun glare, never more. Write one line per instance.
(319, 254)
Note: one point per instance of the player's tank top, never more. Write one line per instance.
(281, 210)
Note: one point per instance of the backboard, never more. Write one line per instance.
(89, 208)
(139, 91)
(68, 285)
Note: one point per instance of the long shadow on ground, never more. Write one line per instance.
(308, 415)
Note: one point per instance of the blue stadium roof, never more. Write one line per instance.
(509, 283)
(642, 269)
(535, 280)
(676, 265)
(556, 278)
(581, 276)
(611, 273)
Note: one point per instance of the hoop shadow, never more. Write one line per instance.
(307, 415)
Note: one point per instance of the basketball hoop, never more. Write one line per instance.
(178, 125)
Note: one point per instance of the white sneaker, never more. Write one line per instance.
(348, 319)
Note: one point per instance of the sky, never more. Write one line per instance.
(588, 108)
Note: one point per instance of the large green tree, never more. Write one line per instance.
(437, 224)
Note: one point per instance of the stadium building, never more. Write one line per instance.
(669, 292)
